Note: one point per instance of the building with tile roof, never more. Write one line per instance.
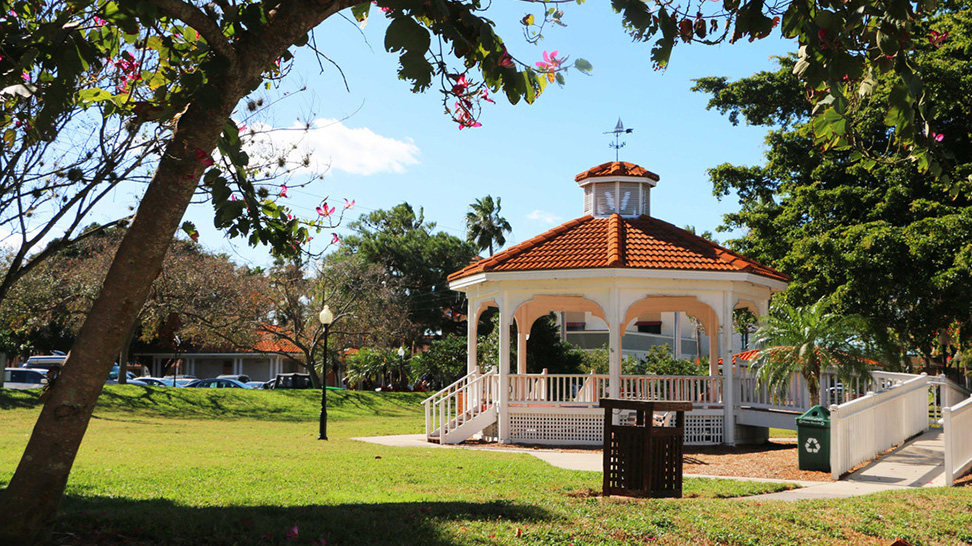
(618, 266)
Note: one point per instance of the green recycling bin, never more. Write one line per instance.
(813, 439)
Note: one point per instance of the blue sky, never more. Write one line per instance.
(386, 145)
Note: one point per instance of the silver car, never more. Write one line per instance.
(24, 378)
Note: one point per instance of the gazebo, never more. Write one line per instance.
(616, 263)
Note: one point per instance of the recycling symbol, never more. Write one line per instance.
(812, 445)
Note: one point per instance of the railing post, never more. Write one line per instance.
(947, 432)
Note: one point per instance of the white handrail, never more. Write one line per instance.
(958, 440)
(863, 428)
(558, 388)
(588, 389)
(452, 406)
(701, 390)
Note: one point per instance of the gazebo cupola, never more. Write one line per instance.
(617, 187)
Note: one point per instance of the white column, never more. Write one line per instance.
(472, 330)
(191, 367)
(505, 321)
(678, 335)
(712, 329)
(237, 365)
(728, 385)
(521, 349)
(614, 320)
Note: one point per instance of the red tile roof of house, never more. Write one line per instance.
(616, 168)
(616, 242)
(276, 346)
(269, 343)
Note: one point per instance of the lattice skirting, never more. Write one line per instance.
(703, 430)
(541, 428)
(588, 429)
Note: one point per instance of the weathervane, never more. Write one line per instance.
(617, 132)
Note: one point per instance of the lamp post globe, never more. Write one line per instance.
(326, 317)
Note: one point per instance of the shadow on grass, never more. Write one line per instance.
(19, 399)
(86, 521)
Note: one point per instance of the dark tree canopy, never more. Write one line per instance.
(890, 242)
(420, 259)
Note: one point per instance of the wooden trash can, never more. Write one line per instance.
(643, 460)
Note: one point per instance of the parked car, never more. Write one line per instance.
(45, 362)
(24, 378)
(113, 376)
(258, 384)
(179, 380)
(217, 383)
(154, 382)
(242, 378)
(291, 381)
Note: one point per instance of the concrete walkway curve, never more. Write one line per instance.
(920, 462)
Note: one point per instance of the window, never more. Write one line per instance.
(649, 326)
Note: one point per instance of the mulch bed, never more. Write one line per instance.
(775, 460)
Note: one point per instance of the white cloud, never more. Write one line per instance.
(330, 144)
(544, 216)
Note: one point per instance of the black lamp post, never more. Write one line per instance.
(326, 317)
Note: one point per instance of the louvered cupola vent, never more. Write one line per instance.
(617, 188)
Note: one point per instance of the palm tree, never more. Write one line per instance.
(484, 226)
(808, 340)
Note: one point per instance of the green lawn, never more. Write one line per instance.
(186, 467)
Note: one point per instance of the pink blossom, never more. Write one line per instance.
(938, 39)
(292, 533)
(242, 129)
(324, 210)
(99, 21)
(348, 204)
(283, 191)
(461, 86)
(550, 61)
(505, 59)
(335, 239)
(203, 157)
(938, 137)
(484, 94)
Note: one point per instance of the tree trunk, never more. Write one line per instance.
(29, 503)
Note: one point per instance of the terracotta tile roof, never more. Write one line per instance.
(612, 242)
(275, 346)
(616, 168)
(269, 343)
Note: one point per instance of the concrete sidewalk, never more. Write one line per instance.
(920, 462)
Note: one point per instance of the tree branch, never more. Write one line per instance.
(201, 23)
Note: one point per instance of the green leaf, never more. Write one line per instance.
(583, 65)
(405, 34)
(361, 12)
(89, 96)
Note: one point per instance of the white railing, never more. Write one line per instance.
(958, 440)
(558, 389)
(796, 396)
(452, 406)
(576, 390)
(701, 390)
(942, 393)
(863, 428)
